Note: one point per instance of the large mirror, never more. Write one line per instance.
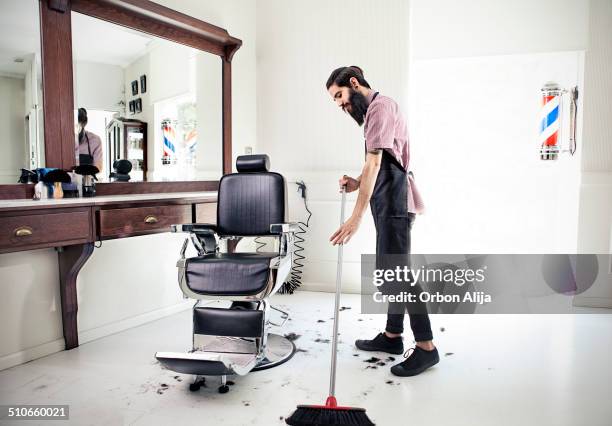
(21, 112)
(147, 100)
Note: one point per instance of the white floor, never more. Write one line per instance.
(503, 370)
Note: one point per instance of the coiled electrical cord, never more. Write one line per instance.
(260, 244)
(295, 277)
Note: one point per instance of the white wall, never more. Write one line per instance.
(142, 66)
(475, 133)
(30, 314)
(33, 104)
(128, 281)
(299, 44)
(484, 27)
(209, 101)
(168, 70)
(238, 17)
(595, 230)
(98, 86)
(447, 28)
(307, 137)
(308, 141)
(12, 123)
(20, 83)
(597, 155)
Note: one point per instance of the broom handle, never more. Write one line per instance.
(332, 376)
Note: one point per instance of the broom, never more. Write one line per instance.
(330, 413)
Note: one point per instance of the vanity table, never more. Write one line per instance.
(74, 225)
(120, 210)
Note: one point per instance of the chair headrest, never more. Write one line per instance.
(253, 163)
(122, 166)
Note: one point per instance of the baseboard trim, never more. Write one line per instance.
(329, 288)
(118, 326)
(593, 302)
(30, 354)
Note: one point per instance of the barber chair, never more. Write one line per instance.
(121, 171)
(232, 315)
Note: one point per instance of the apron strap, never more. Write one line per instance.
(88, 146)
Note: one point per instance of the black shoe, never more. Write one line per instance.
(418, 361)
(382, 343)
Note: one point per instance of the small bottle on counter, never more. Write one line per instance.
(58, 192)
(40, 191)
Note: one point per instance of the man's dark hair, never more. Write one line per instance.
(82, 119)
(341, 77)
(82, 116)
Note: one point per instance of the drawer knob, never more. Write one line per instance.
(23, 231)
(151, 219)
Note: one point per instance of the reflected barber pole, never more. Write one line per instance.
(169, 148)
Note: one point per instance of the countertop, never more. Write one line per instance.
(203, 196)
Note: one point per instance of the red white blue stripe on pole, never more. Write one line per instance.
(549, 125)
(169, 136)
(550, 116)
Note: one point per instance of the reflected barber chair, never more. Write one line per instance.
(121, 171)
(232, 315)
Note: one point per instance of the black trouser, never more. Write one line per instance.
(393, 224)
(399, 229)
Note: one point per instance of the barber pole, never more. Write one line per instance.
(168, 145)
(550, 121)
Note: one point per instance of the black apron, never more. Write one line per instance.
(390, 209)
(393, 222)
(86, 159)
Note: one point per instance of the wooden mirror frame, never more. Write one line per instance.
(58, 98)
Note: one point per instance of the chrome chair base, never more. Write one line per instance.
(278, 350)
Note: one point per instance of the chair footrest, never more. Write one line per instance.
(207, 363)
(228, 322)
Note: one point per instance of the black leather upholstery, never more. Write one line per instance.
(249, 203)
(252, 163)
(228, 274)
(228, 322)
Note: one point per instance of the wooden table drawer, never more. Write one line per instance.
(45, 229)
(141, 220)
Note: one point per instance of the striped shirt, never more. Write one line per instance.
(385, 128)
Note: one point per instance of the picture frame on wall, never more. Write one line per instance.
(134, 87)
(143, 84)
(138, 105)
(132, 107)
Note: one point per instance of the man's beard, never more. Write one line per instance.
(359, 106)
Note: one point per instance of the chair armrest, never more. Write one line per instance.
(196, 228)
(286, 232)
(202, 236)
(283, 228)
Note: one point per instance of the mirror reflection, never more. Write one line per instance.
(21, 112)
(145, 108)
